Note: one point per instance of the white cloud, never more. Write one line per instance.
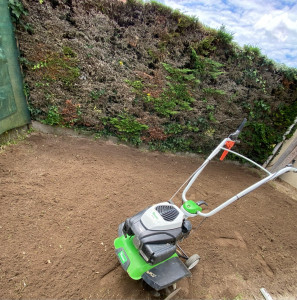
(270, 25)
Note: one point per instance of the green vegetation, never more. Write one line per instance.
(58, 67)
(137, 86)
(289, 73)
(16, 10)
(175, 97)
(13, 137)
(172, 144)
(260, 132)
(68, 52)
(162, 8)
(128, 128)
(204, 67)
(253, 51)
(183, 87)
(69, 116)
(96, 94)
(224, 36)
(181, 83)
(53, 117)
(213, 91)
(206, 46)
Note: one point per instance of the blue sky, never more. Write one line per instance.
(270, 25)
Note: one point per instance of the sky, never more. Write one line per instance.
(270, 25)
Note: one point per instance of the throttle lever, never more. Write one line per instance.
(201, 203)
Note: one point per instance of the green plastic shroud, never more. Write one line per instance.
(191, 207)
(137, 265)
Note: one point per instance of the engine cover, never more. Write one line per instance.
(156, 231)
(162, 216)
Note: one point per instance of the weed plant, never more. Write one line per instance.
(17, 10)
(127, 127)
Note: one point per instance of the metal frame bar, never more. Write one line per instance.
(249, 160)
(220, 147)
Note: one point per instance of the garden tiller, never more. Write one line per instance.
(147, 244)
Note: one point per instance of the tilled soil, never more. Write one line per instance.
(62, 198)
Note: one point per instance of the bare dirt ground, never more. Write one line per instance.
(62, 198)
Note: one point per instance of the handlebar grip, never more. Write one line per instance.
(242, 125)
(235, 134)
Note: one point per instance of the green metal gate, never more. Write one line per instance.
(13, 106)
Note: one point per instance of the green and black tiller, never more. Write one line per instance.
(147, 244)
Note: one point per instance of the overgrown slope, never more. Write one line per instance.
(148, 74)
